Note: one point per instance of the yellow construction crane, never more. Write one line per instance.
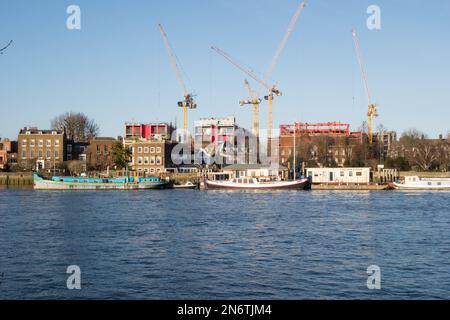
(372, 108)
(255, 100)
(188, 101)
(273, 90)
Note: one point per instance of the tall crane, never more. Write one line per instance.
(275, 59)
(372, 111)
(255, 100)
(188, 101)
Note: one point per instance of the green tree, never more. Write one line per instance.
(121, 155)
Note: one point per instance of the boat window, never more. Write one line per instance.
(239, 180)
(429, 183)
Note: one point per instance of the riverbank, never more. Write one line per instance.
(16, 179)
(349, 187)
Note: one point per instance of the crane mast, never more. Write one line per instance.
(274, 62)
(372, 108)
(188, 100)
(255, 100)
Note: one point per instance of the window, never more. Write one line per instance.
(158, 160)
(56, 154)
(41, 143)
(24, 143)
(350, 173)
(69, 148)
(152, 150)
(24, 154)
(32, 154)
(158, 149)
(139, 149)
(69, 157)
(57, 143)
(146, 150)
(359, 174)
(40, 154)
(139, 160)
(152, 160)
(49, 143)
(152, 170)
(158, 170)
(342, 174)
(146, 160)
(49, 154)
(32, 143)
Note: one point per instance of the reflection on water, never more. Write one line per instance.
(224, 244)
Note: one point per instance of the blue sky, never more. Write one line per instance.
(115, 69)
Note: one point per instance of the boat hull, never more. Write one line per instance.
(43, 184)
(279, 185)
(402, 186)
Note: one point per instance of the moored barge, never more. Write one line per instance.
(80, 183)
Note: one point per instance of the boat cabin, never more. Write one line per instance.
(260, 171)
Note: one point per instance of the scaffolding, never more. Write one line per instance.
(333, 129)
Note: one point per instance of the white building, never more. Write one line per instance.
(339, 175)
(211, 130)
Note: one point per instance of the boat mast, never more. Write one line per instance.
(295, 153)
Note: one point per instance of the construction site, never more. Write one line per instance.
(327, 143)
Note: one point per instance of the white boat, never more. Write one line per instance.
(187, 185)
(258, 184)
(416, 183)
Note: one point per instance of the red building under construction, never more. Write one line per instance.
(152, 131)
(301, 133)
(331, 129)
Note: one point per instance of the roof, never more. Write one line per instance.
(242, 167)
(104, 138)
(39, 131)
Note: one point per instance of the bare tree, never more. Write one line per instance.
(419, 150)
(78, 126)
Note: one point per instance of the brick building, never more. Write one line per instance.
(152, 157)
(316, 141)
(8, 153)
(41, 149)
(98, 154)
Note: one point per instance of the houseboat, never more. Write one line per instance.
(416, 183)
(254, 177)
(81, 183)
(258, 184)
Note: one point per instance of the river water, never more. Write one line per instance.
(190, 244)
